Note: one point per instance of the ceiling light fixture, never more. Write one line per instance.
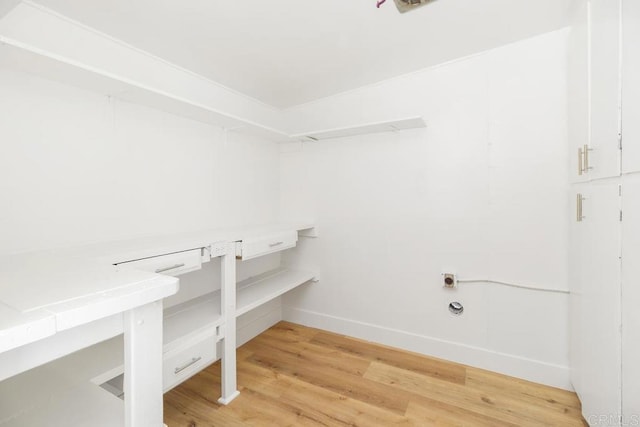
(406, 5)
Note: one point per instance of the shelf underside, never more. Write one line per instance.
(60, 393)
(203, 313)
(259, 290)
(60, 69)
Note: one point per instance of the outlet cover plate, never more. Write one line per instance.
(449, 280)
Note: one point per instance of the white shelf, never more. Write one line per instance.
(259, 290)
(85, 405)
(202, 314)
(196, 316)
(363, 129)
(39, 41)
(67, 392)
(50, 66)
(60, 393)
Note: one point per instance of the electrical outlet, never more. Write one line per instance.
(449, 280)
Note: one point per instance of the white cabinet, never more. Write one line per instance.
(630, 297)
(578, 255)
(253, 247)
(602, 157)
(578, 89)
(181, 364)
(594, 83)
(595, 293)
(605, 245)
(631, 211)
(630, 86)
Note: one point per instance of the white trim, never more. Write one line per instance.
(508, 364)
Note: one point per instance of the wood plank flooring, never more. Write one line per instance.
(292, 375)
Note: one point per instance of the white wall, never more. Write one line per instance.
(480, 192)
(86, 57)
(77, 167)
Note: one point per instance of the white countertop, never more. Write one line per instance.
(132, 249)
(44, 293)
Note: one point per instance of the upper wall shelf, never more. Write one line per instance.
(46, 65)
(387, 126)
(39, 41)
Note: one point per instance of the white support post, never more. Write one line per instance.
(143, 366)
(228, 301)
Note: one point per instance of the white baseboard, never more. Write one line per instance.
(516, 366)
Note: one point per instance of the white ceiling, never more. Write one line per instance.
(288, 52)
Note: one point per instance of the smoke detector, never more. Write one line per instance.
(407, 5)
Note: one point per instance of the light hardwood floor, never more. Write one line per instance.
(292, 375)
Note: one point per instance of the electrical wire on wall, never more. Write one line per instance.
(512, 285)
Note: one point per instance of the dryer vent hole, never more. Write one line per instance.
(456, 308)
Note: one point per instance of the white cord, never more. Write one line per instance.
(513, 285)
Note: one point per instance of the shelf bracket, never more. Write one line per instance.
(309, 232)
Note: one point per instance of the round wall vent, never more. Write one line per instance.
(456, 308)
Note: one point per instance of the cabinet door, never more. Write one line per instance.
(578, 89)
(630, 297)
(595, 301)
(578, 257)
(630, 86)
(604, 66)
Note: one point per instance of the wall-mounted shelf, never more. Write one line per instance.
(386, 126)
(261, 289)
(90, 405)
(197, 319)
(29, 59)
(39, 41)
(203, 313)
(191, 317)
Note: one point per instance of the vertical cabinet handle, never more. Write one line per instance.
(583, 159)
(580, 161)
(579, 199)
(585, 153)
